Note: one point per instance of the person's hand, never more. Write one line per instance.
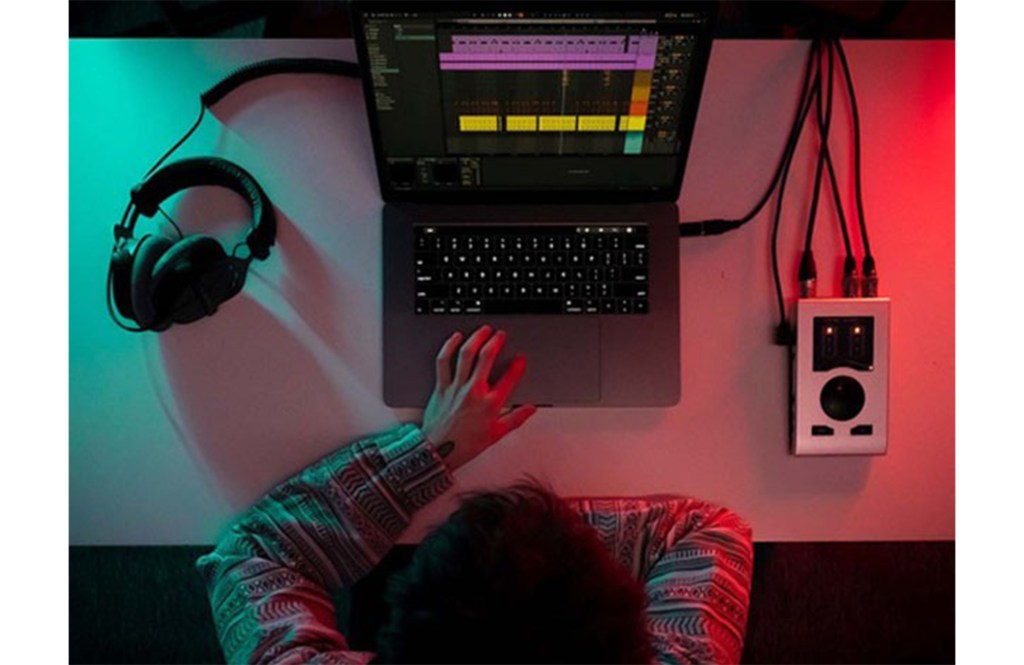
(465, 414)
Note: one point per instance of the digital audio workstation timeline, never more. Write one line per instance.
(492, 100)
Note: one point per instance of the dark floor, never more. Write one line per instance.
(811, 603)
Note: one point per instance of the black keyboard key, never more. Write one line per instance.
(631, 290)
(427, 275)
(634, 275)
(431, 290)
(574, 306)
(607, 306)
(640, 306)
(546, 306)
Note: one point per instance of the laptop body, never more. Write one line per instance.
(530, 156)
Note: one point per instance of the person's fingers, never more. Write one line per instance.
(515, 418)
(506, 385)
(467, 354)
(443, 363)
(488, 354)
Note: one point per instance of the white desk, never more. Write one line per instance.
(171, 435)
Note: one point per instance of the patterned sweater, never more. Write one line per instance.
(271, 577)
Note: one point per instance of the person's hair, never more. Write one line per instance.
(514, 576)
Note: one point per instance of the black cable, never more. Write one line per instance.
(717, 226)
(177, 228)
(851, 285)
(807, 276)
(824, 122)
(784, 334)
(843, 224)
(195, 126)
(253, 71)
(869, 270)
(856, 145)
(263, 68)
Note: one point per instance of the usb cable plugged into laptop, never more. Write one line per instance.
(709, 227)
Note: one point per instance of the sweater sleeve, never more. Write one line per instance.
(696, 561)
(271, 576)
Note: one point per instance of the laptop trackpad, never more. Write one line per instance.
(563, 358)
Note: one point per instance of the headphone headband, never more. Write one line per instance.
(199, 171)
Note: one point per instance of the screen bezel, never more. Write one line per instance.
(702, 51)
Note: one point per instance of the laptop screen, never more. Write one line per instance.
(475, 99)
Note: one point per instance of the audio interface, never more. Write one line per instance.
(840, 377)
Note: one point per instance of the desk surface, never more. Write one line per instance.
(171, 435)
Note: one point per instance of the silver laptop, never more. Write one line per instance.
(530, 156)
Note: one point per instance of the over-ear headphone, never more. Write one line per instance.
(155, 281)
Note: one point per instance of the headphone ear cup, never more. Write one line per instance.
(149, 251)
(192, 279)
(121, 279)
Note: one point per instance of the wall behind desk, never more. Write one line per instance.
(172, 435)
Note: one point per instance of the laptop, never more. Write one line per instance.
(530, 155)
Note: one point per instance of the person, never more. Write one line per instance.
(513, 575)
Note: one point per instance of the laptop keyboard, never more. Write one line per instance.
(531, 269)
